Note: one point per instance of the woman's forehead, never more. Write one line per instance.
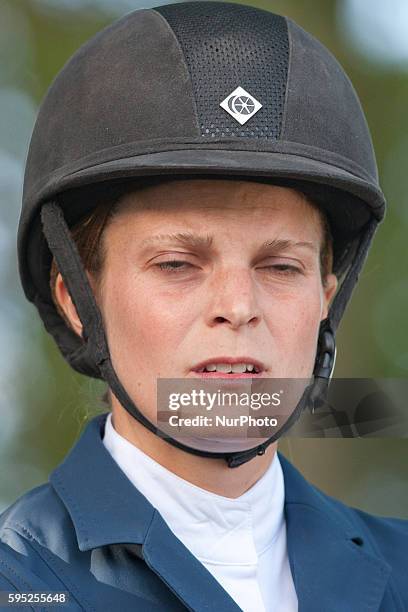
(219, 195)
(221, 209)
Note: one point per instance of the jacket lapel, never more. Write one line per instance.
(333, 564)
(182, 572)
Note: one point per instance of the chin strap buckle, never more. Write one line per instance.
(324, 365)
(237, 459)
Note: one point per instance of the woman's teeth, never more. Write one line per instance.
(228, 368)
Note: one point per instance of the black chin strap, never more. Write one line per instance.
(71, 268)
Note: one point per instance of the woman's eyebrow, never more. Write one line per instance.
(279, 244)
(182, 238)
(190, 239)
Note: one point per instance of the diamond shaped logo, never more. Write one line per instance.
(241, 105)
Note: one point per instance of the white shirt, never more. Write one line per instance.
(241, 541)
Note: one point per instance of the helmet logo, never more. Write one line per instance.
(241, 105)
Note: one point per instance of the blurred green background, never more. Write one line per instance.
(44, 404)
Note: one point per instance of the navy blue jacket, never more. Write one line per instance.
(90, 532)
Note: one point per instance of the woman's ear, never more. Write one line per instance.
(67, 305)
(329, 289)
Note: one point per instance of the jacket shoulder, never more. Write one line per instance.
(389, 535)
(33, 529)
(389, 538)
(385, 536)
(382, 530)
(35, 516)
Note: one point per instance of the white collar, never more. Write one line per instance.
(216, 529)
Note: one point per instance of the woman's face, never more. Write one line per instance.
(245, 281)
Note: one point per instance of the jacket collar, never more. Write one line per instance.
(104, 506)
(329, 568)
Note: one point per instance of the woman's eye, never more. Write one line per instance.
(283, 269)
(173, 266)
(177, 265)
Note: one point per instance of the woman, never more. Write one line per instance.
(224, 272)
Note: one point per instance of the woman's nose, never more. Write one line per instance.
(233, 300)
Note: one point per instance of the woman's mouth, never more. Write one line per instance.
(229, 367)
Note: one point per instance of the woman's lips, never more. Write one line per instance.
(258, 366)
(225, 375)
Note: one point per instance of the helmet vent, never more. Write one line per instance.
(225, 49)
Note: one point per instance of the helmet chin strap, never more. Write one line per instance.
(70, 265)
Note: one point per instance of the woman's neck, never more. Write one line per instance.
(210, 474)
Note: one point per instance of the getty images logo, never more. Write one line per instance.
(241, 105)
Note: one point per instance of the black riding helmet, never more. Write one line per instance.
(195, 89)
